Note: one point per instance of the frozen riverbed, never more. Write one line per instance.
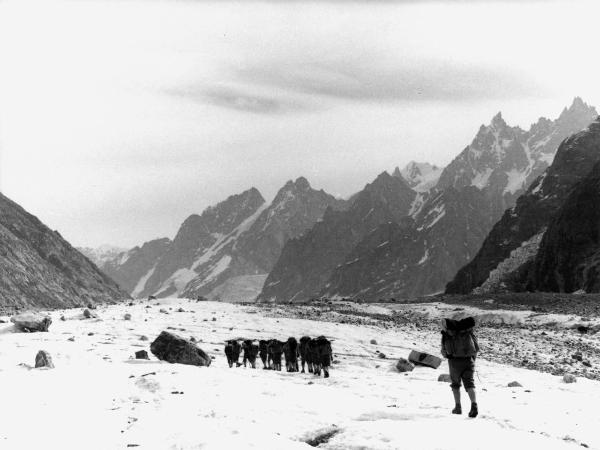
(98, 397)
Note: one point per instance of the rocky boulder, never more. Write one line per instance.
(404, 365)
(31, 321)
(141, 354)
(175, 349)
(43, 359)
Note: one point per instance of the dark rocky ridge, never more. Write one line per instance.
(534, 210)
(415, 257)
(38, 268)
(568, 259)
(306, 263)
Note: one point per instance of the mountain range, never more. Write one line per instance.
(418, 251)
(226, 252)
(405, 234)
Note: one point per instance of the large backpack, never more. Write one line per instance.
(459, 340)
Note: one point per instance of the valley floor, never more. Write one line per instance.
(98, 397)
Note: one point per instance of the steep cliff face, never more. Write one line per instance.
(534, 210)
(39, 268)
(306, 263)
(568, 259)
(415, 257)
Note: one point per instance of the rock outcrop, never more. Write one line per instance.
(31, 321)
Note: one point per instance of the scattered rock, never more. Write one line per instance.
(515, 384)
(569, 378)
(43, 359)
(163, 311)
(444, 378)
(382, 355)
(404, 365)
(424, 359)
(88, 314)
(181, 310)
(175, 349)
(31, 321)
(127, 316)
(63, 318)
(72, 339)
(214, 319)
(141, 354)
(373, 341)
(143, 338)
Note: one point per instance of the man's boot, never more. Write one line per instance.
(474, 411)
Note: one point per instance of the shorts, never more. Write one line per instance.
(461, 369)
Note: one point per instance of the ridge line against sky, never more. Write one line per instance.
(116, 137)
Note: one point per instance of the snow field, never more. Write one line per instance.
(97, 397)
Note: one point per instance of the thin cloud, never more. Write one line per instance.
(239, 99)
(409, 81)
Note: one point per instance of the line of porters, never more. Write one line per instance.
(314, 353)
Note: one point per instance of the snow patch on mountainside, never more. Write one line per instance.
(481, 179)
(516, 180)
(244, 288)
(421, 177)
(142, 283)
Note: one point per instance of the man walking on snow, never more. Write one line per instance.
(460, 347)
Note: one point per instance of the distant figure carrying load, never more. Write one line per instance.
(460, 346)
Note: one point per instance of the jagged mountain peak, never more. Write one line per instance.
(498, 121)
(578, 106)
(420, 176)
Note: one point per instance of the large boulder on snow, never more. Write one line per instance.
(175, 349)
(31, 321)
(404, 366)
(43, 359)
(424, 359)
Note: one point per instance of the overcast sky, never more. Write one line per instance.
(118, 119)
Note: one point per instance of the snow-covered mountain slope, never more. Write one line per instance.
(505, 160)
(38, 268)
(198, 240)
(306, 263)
(101, 255)
(230, 245)
(253, 248)
(421, 177)
(131, 268)
(148, 404)
(534, 210)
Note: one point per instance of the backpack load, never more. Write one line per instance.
(458, 340)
